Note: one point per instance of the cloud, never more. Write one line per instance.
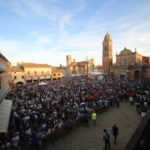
(9, 46)
(47, 57)
(16, 6)
(137, 35)
(44, 40)
(69, 30)
(65, 19)
(11, 49)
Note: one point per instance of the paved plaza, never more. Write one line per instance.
(84, 138)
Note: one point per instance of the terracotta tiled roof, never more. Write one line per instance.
(55, 70)
(61, 67)
(33, 65)
(16, 69)
(82, 62)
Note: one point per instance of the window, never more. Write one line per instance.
(22, 77)
(125, 62)
(15, 77)
(105, 54)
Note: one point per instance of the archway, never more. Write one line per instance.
(122, 76)
(137, 74)
(19, 83)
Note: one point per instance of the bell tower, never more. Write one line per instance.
(69, 68)
(107, 54)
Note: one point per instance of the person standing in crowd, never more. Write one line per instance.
(86, 119)
(117, 101)
(35, 142)
(115, 132)
(131, 100)
(106, 138)
(93, 117)
(137, 103)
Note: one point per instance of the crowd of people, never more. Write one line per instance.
(41, 110)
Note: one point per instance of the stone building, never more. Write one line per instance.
(17, 74)
(129, 64)
(5, 104)
(62, 69)
(107, 54)
(5, 76)
(56, 74)
(32, 72)
(78, 68)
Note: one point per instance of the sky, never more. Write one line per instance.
(45, 31)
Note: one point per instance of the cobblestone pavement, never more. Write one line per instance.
(83, 138)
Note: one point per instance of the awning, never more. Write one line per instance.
(5, 110)
(28, 78)
(48, 77)
(42, 77)
(35, 77)
(42, 83)
(2, 68)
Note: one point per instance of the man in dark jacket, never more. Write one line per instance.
(115, 132)
(106, 138)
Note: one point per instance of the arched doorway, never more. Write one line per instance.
(19, 83)
(137, 74)
(122, 76)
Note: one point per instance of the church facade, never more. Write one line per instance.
(129, 64)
